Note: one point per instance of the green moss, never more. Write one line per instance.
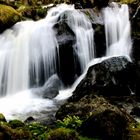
(16, 124)
(86, 138)
(7, 133)
(127, 1)
(2, 118)
(134, 131)
(62, 134)
(7, 13)
(8, 17)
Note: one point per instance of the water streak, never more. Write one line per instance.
(117, 30)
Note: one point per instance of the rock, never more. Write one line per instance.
(16, 124)
(77, 5)
(135, 29)
(50, 88)
(68, 65)
(101, 3)
(62, 134)
(135, 111)
(29, 120)
(99, 34)
(136, 59)
(86, 106)
(8, 17)
(7, 133)
(2, 118)
(107, 125)
(112, 77)
(101, 119)
(32, 12)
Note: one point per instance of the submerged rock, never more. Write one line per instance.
(50, 89)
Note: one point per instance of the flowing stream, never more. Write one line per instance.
(29, 48)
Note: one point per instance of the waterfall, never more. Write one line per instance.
(29, 56)
(117, 30)
(28, 51)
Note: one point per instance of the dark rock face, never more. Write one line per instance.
(101, 3)
(112, 77)
(108, 125)
(135, 111)
(68, 65)
(135, 27)
(99, 39)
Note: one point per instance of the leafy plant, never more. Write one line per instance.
(72, 122)
(38, 130)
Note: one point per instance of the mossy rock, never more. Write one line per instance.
(8, 17)
(134, 131)
(2, 118)
(16, 124)
(107, 125)
(62, 134)
(32, 12)
(7, 133)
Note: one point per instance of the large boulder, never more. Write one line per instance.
(100, 118)
(86, 106)
(112, 77)
(107, 125)
(8, 17)
(67, 61)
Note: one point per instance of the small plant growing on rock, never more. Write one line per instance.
(72, 122)
(38, 130)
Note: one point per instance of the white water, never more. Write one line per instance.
(30, 46)
(26, 49)
(117, 30)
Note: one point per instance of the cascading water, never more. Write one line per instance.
(29, 52)
(117, 30)
(29, 49)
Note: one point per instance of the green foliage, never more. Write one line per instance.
(7, 14)
(16, 123)
(38, 131)
(2, 118)
(134, 131)
(62, 134)
(86, 138)
(13, 134)
(127, 1)
(72, 122)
